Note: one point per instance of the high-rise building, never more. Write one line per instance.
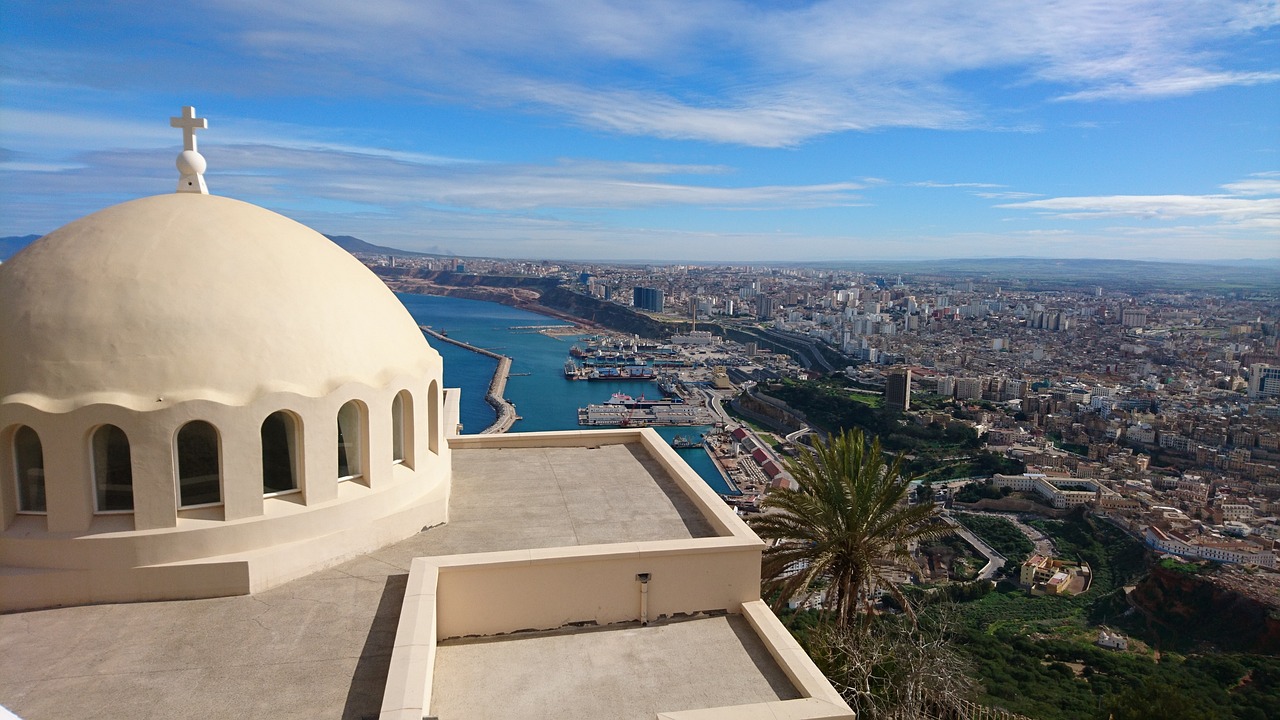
(650, 299)
(1264, 380)
(766, 307)
(968, 388)
(1133, 317)
(946, 386)
(897, 389)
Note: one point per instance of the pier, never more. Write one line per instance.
(623, 416)
(497, 386)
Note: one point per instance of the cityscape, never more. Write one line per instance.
(634, 360)
(1154, 412)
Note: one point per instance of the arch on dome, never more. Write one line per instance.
(199, 464)
(28, 468)
(433, 417)
(112, 470)
(402, 434)
(281, 453)
(353, 419)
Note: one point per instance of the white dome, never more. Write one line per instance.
(185, 296)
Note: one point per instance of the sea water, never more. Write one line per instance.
(544, 399)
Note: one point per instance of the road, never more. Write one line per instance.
(995, 560)
(806, 346)
(1044, 545)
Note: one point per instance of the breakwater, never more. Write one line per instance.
(497, 386)
(544, 399)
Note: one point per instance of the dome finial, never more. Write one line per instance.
(191, 163)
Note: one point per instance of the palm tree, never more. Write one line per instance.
(846, 525)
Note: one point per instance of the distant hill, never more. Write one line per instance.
(1064, 274)
(9, 246)
(356, 245)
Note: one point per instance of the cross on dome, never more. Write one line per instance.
(191, 164)
(189, 124)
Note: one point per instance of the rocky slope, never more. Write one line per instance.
(1201, 609)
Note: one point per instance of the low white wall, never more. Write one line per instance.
(494, 593)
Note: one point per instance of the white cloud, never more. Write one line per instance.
(568, 185)
(1153, 206)
(1259, 184)
(1185, 83)
(1007, 195)
(67, 132)
(270, 163)
(932, 184)
(1253, 203)
(799, 71)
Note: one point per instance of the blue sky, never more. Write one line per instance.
(685, 130)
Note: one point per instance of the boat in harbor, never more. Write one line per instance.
(570, 370)
(630, 372)
(681, 442)
(625, 400)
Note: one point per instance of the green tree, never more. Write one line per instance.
(843, 528)
(1152, 699)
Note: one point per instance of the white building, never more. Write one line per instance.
(1061, 492)
(212, 401)
(1264, 381)
(190, 366)
(1218, 550)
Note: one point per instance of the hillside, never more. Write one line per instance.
(9, 246)
(1041, 274)
(356, 245)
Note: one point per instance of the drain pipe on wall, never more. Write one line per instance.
(644, 598)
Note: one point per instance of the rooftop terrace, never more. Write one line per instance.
(523, 507)
(319, 647)
(620, 672)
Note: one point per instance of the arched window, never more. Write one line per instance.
(433, 417)
(402, 427)
(199, 468)
(28, 458)
(350, 436)
(112, 469)
(280, 453)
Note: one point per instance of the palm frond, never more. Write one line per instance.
(844, 524)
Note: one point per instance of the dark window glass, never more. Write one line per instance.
(279, 453)
(112, 469)
(199, 469)
(28, 458)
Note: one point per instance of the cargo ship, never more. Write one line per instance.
(625, 400)
(630, 372)
(571, 370)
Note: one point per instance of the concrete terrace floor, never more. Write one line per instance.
(319, 647)
(622, 672)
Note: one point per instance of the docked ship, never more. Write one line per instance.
(571, 370)
(625, 400)
(681, 442)
(630, 372)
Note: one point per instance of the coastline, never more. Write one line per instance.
(511, 297)
(710, 450)
(497, 386)
(547, 402)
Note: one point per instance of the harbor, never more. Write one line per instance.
(605, 415)
(494, 354)
(496, 395)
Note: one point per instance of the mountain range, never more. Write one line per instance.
(1016, 272)
(9, 246)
